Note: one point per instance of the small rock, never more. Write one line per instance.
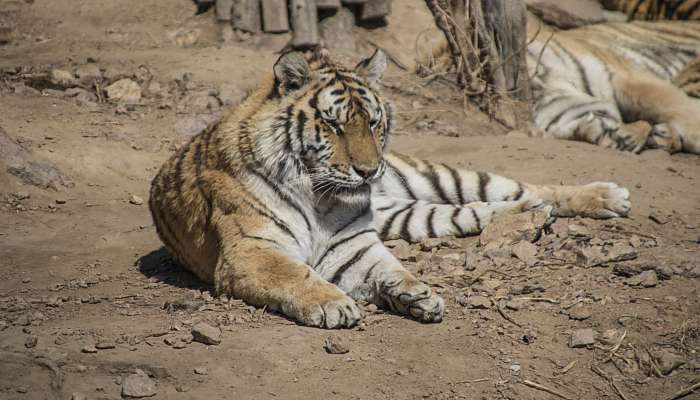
(21, 195)
(138, 385)
(207, 334)
(525, 252)
(582, 338)
(60, 201)
(580, 313)
(88, 73)
(668, 361)
(693, 272)
(478, 302)
(402, 251)
(135, 200)
(62, 78)
(26, 280)
(78, 396)
(578, 231)
(335, 345)
(180, 388)
(104, 345)
(31, 341)
(590, 256)
(610, 337)
(432, 243)
(508, 229)
(89, 349)
(22, 320)
(371, 308)
(567, 14)
(124, 91)
(645, 279)
(201, 371)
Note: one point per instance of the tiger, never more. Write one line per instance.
(612, 84)
(656, 9)
(285, 203)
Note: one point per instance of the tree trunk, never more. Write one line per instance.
(487, 40)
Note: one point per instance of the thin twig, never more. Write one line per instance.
(545, 389)
(503, 313)
(566, 369)
(472, 381)
(544, 299)
(684, 392)
(610, 380)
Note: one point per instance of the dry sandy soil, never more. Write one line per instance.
(81, 266)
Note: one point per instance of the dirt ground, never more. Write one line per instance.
(87, 295)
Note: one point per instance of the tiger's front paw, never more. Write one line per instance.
(326, 307)
(628, 137)
(406, 295)
(599, 200)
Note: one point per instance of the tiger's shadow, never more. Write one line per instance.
(159, 266)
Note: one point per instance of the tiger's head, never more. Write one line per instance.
(338, 121)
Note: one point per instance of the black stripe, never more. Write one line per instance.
(405, 229)
(484, 179)
(301, 122)
(403, 181)
(519, 193)
(434, 180)
(357, 257)
(282, 195)
(279, 223)
(458, 183)
(455, 214)
(579, 67)
(340, 242)
(430, 223)
(390, 220)
(565, 111)
(389, 207)
(288, 128)
(354, 219)
(370, 270)
(476, 219)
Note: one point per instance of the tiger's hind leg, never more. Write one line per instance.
(675, 117)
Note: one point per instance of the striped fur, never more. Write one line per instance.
(656, 9)
(596, 82)
(285, 202)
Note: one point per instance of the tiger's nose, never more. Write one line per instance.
(365, 172)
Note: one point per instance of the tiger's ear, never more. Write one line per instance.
(291, 72)
(372, 69)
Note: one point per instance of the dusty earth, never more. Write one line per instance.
(88, 297)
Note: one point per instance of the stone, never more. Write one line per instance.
(89, 349)
(525, 252)
(31, 341)
(478, 302)
(610, 337)
(668, 361)
(334, 344)
(207, 334)
(201, 370)
(590, 256)
(645, 279)
(337, 31)
(88, 73)
(580, 313)
(124, 91)
(375, 9)
(433, 243)
(22, 320)
(693, 272)
(402, 251)
(135, 200)
(303, 18)
(138, 385)
(578, 231)
(567, 14)
(508, 229)
(582, 338)
(104, 345)
(62, 78)
(78, 396)
(274, 14)
(246, 15)
(22, 163)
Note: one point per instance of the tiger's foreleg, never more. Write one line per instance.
(360, 265)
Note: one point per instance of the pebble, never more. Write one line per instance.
(78, 396)
(478, 302)
(645, 279)
(104, 345)
(582, 338)
(31, 341)
(335, 345)
(26, 280)
(60, 201)
(89, 349)
(88, 73)
(135, 200)
(693, 272)
(525, 252)
(207, 334)
(124, 91)
(22, 320)
(62, 78)
(580, 313)
(201, 371)
(610, 337)
(668, 361)
(21, 195)
(138, 385)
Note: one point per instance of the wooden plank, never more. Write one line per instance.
(375, 9)
(328, 4)
(304, 18)
(246, 15)
(274, 13)
(223, 10)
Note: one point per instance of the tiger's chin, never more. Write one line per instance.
(356, 196)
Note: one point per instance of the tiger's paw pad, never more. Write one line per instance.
(333, 314)
(415, 299)
(601, 200)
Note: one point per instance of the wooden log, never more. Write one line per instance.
(375, 9)
(328, 4)
(246, 15)
(274, 13)
(356, 1)
(304, 23)
(223, 10)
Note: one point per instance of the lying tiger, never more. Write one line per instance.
(285, 203)
(596, 84)
(656, 9)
